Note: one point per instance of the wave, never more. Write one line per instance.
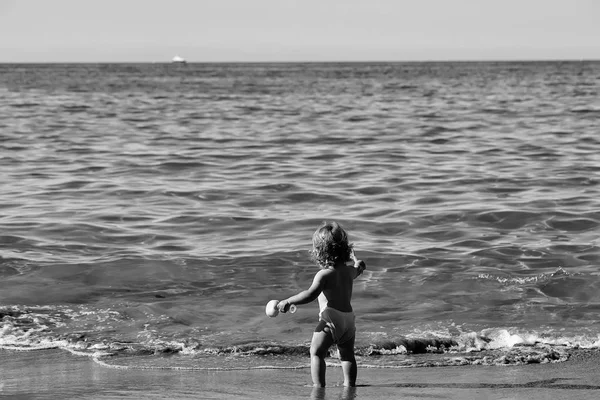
(246, 357)
(33, 329)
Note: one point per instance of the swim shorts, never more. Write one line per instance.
(341, 324)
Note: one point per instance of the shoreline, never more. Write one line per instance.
(59, 374)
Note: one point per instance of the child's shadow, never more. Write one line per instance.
(348, 393)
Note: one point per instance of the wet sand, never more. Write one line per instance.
(53, 374)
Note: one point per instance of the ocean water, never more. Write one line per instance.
(148, 212)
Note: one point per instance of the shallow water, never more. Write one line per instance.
(152, 209)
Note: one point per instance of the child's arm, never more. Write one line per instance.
(358, 264)
(306, 296)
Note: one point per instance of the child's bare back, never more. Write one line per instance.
(337, 287)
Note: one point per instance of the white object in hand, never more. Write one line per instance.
(272, 311)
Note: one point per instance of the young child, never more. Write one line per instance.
(332, 285)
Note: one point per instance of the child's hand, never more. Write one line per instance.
(358, 264)
(283, 306)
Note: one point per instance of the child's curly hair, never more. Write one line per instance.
(330, 245)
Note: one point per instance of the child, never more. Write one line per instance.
(332, 285)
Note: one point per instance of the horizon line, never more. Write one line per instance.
(474, 60)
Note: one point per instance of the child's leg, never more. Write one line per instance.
(348, 362)
(321, 342)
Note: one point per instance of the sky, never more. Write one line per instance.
(297, 30)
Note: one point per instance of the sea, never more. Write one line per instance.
(148, 212)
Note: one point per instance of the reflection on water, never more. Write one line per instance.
(343, 393)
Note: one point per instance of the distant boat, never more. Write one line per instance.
(178, 60)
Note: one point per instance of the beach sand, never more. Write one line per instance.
(55, 374)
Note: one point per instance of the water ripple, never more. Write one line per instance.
(441, 173)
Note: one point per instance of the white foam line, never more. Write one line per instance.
(370, 366)
(96, 359)
(97, 356)
(34, 348)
